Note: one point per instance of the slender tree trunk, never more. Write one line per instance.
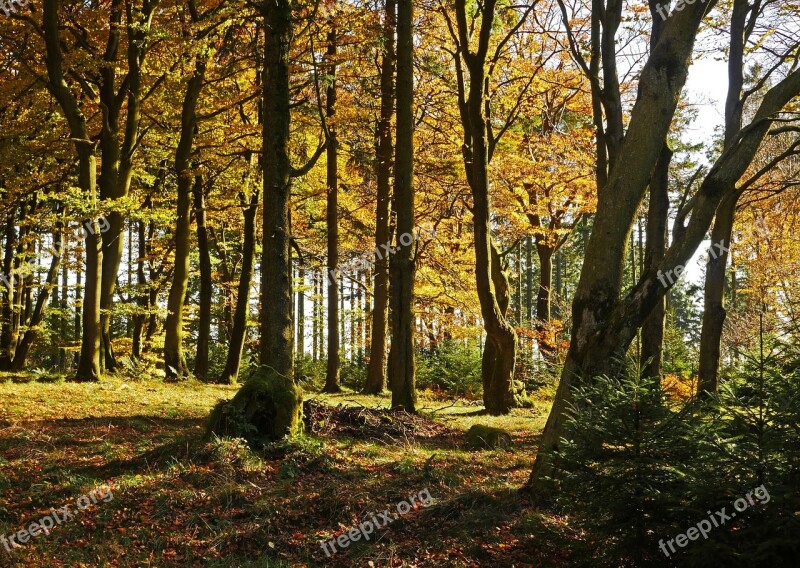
(175, 367)
(206, 283)
(402, 265)
(7, 334)
(332, 221)
(657, 217)
(301, 311)
(315, 316)
(37, 315)
(277, 338)
(239, 330)
(142, 295)
(543, 298)
(529, 278)
(714, 312)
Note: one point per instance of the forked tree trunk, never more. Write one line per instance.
(499, 355)
(604, 324)
(89, 362)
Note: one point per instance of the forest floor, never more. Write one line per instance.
(180, 501)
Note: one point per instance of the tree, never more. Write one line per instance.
(384, 151)
(403, 264)
(174, 360)
(604, 324)
(499, 355)
(332, 220)
(89, 361)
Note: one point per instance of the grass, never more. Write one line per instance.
(180, 502)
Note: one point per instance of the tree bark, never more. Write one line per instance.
(657, 216)
(175, 367)
(239, 330)
(206, 283)
(402, 265)
(332, 222)
(277, 337)
(89, 361)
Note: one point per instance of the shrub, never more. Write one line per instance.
(452, 367)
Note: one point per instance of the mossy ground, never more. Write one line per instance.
(180, 502)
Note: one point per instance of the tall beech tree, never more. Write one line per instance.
(276, 322)
(471, 59)
(174, 359)
(89, 361)
(744, 17)
(332, 220)
(116, 169)
(402, 266)
(384, 154)
(604, 323)
(277, 345)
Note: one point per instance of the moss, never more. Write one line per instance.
(268, 408)
(480, 437)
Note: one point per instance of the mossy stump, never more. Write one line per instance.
(268, 408)
(480, 437)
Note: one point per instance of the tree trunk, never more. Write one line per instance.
(89, 362)
(499, 354)
(239, 330)
(206, 283)
(543, 297)
(603, 323)
(277, 337)
(37, 315)
(301, 311)
(7, 333)
(714, 312)
(657, 216)
(332, 221)
(142, 295)
(402, 265)
(175, 367)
